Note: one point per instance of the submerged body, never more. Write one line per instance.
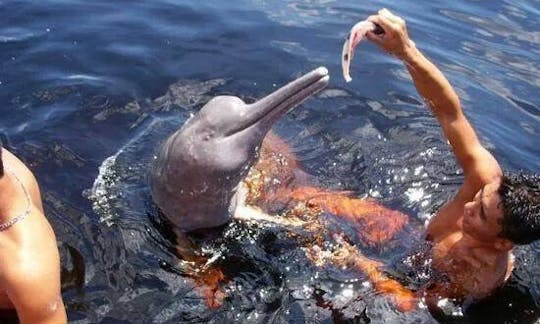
(277, 185)
(199, 170)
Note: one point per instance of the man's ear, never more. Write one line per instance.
(503, 244)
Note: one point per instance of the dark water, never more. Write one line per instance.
(88, 88)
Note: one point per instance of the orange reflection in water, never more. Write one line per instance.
(278, 185)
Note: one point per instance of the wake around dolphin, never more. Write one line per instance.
(199, 167)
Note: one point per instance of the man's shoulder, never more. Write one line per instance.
(447, 220)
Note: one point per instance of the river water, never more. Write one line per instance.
(88, 89)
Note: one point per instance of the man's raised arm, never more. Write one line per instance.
(438, 94)
(479, 166)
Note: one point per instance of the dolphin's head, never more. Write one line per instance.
(200, 166)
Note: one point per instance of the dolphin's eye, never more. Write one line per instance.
(208, 135)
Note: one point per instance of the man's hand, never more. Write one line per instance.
(395, 39)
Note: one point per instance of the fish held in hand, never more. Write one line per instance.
(356, 34)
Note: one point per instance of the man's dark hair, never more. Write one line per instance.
(520, 200)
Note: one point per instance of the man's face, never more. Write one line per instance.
(482, 215)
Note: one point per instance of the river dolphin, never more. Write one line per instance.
(199, 167)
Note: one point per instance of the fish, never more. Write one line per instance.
(356, 34)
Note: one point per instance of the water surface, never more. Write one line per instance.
(89, 88)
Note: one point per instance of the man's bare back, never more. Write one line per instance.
(30, 267)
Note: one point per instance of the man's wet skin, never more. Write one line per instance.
(27, 239)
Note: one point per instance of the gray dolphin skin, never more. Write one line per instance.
(198, 168)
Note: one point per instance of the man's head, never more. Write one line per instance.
(520, 203)
(505, 211)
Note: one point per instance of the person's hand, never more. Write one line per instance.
(395, 39)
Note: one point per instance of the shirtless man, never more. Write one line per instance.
(29, 259)
(473, 234)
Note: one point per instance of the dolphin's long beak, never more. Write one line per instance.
(264, 112)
